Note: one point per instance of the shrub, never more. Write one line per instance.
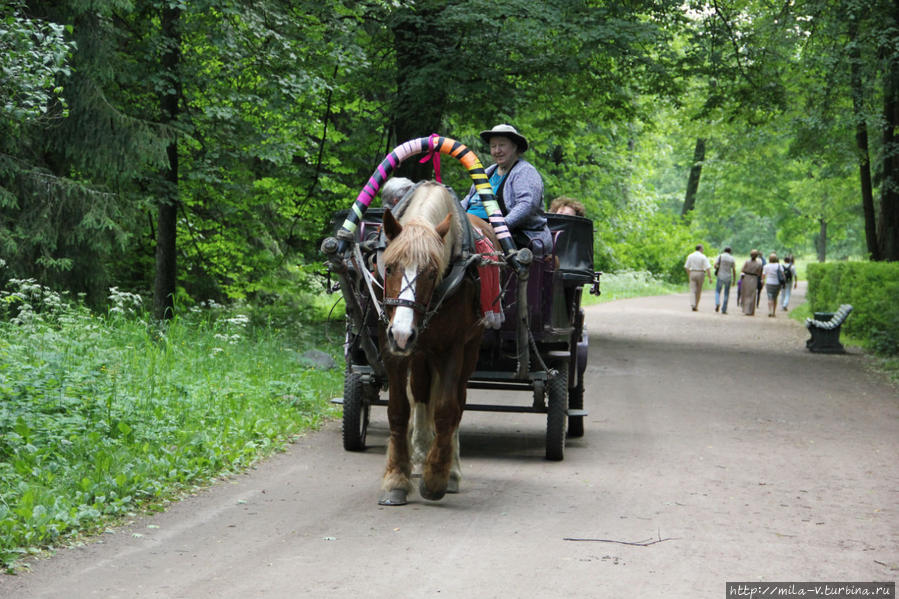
(656, 242)
(871, 288)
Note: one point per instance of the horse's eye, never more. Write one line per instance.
(388, 269)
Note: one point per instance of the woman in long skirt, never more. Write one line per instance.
(750, 273)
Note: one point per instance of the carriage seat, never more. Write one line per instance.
(572, 248)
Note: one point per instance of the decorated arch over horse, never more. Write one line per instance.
(434, 145)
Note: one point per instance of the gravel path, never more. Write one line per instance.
(720, 437)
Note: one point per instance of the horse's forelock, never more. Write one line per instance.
(427, 207)
(418, 243)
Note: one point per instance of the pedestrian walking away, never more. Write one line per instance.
(791, 281)
(725, 273)
(750, 275)
(697, 267)
(774, 280)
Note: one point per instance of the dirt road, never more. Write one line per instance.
(721, 437)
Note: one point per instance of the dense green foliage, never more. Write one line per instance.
(871, 288)
(237, 128)
(100, 416)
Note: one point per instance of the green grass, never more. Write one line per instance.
(622, 285)
(101, 416)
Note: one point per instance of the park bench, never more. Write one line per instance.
(825, 330)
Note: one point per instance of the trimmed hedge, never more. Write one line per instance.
(873, 290)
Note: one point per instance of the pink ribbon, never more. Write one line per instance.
(433, 155)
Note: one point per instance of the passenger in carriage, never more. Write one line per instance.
(394, 190)
(518, 188)
(566, 205)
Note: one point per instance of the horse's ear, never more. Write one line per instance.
(391, 227)
(444, 226)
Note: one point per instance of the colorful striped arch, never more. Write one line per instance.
(443, 145)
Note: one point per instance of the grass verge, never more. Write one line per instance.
(626, 284)
(102, 416)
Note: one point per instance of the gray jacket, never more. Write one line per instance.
(523, 197)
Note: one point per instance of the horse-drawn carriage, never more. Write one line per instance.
(541, 347)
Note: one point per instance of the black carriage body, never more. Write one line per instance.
(554, 288)
(557, 342)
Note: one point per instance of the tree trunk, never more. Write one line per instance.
(821, 240)
(166, 272)
(861, 143)
(695, 172)
(420, 45)
(888, 227)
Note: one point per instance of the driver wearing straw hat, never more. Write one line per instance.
(518, 188)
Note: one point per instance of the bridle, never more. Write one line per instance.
(416, 306)
(444, 289)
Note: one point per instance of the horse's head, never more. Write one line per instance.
(414, 261)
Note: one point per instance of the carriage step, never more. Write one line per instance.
(577, 412)
(337, 400)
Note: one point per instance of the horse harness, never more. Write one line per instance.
(451, 281)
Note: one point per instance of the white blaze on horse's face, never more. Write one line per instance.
(402, 327)
(415, 256)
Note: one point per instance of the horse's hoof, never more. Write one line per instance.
(452, 486)
(393, 497)
(425, 492)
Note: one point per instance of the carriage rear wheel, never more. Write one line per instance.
(557, 413)
(356, 409)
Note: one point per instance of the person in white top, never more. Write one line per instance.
(725, 273)
(697, 267)
(774, 278)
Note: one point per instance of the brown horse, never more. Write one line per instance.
(429, 348)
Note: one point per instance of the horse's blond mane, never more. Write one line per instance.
(419, 242)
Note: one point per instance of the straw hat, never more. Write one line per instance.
(507, 131)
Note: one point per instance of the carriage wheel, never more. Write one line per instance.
(356, 409)
(576, 393)
(576, 402)
(557, 413)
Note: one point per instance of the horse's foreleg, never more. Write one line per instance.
(447, 414)
(422, 433)
(455, 475)
(469, 363)
(396, 485)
